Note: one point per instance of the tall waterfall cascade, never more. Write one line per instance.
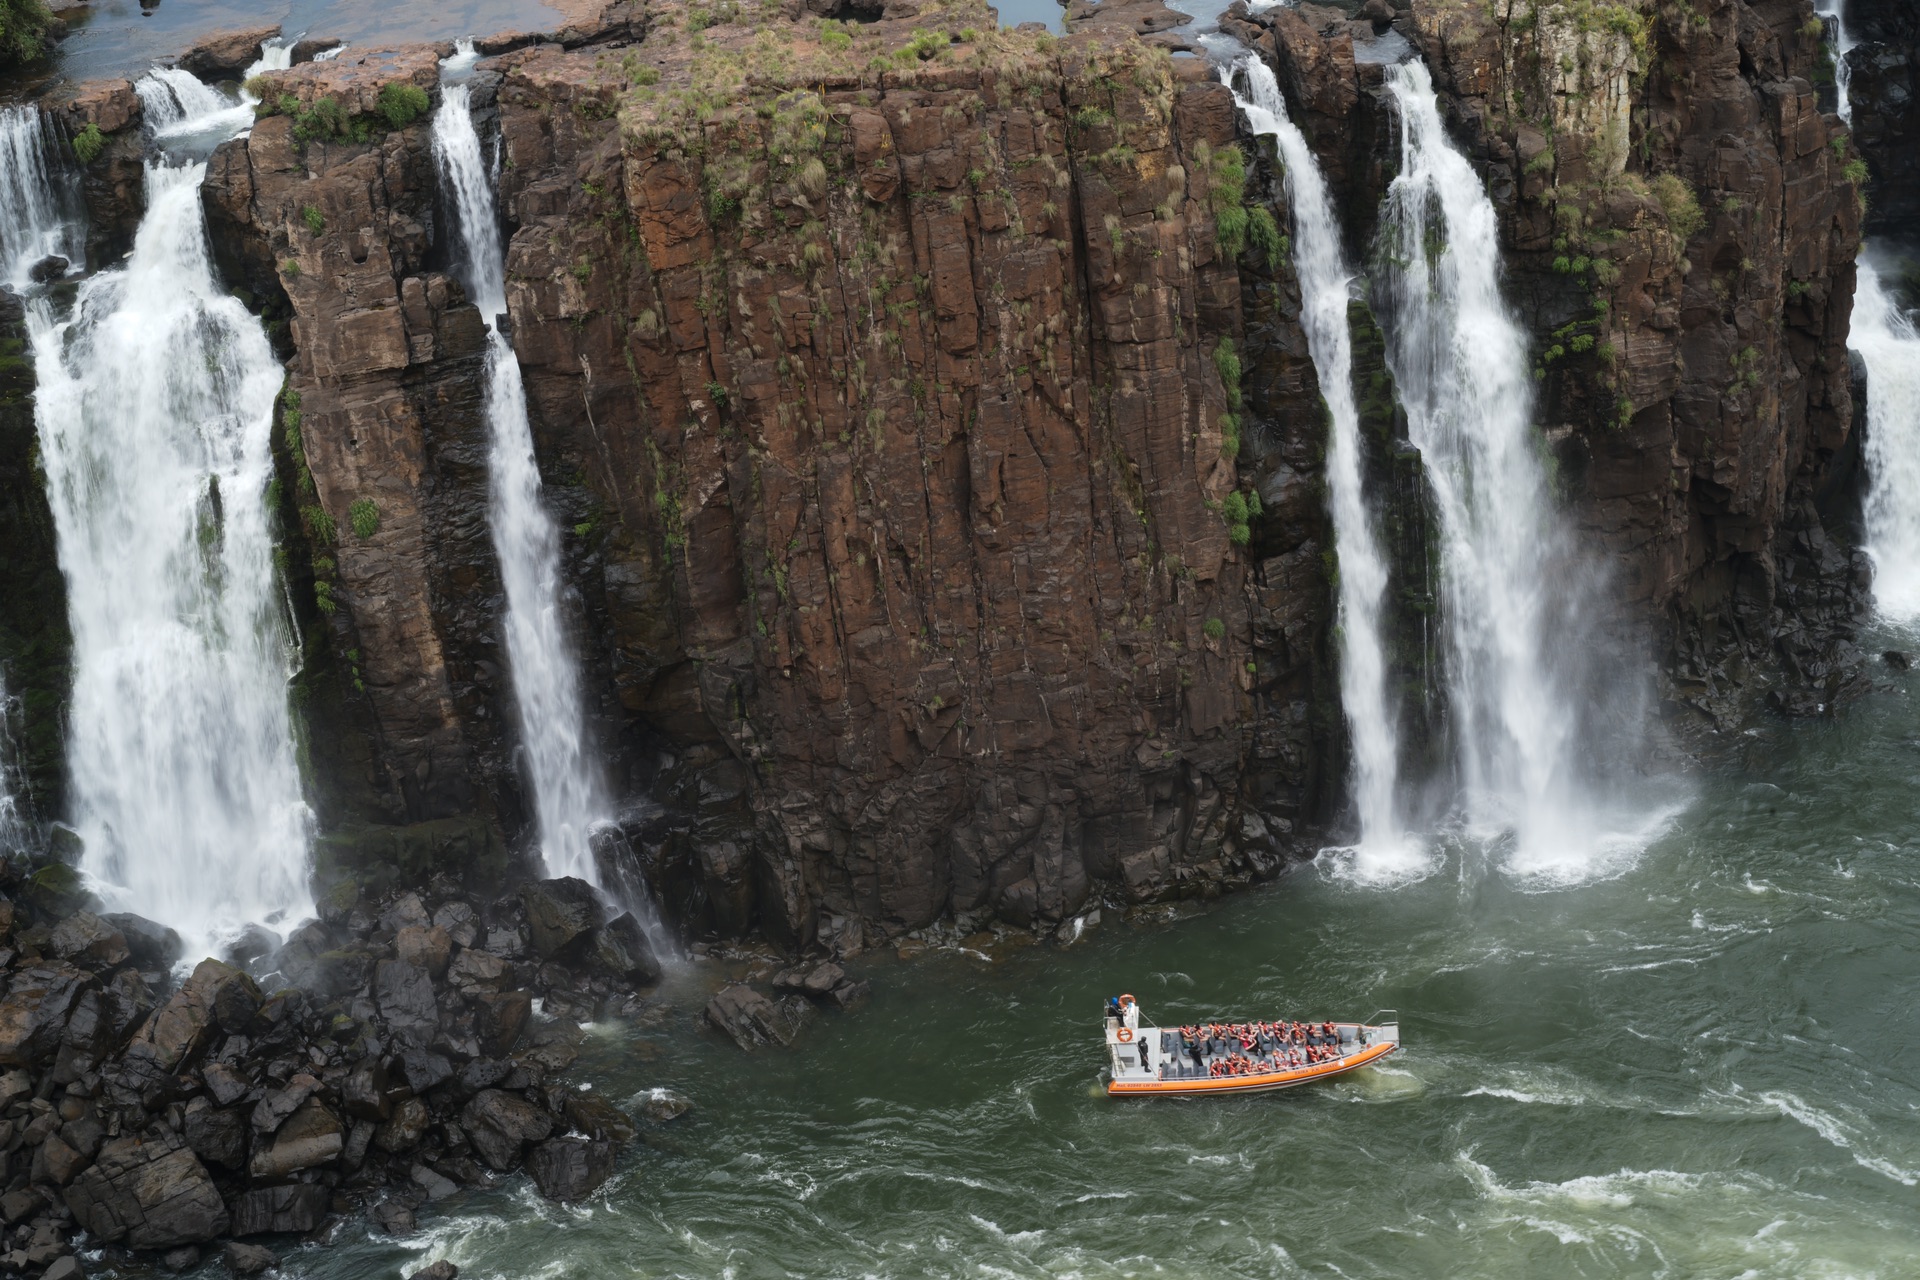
(1515, 626)
(1383, 851)
(155, 412)
(13, 822)
(568, 792)
(1885, 338)
(36, 208)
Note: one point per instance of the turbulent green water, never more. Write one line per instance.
(1702, 1067)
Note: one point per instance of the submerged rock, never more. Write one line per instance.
(752, 1020)
(570, 1168)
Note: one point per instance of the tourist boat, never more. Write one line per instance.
(1147, 1061)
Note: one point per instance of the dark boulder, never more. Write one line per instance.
(425, 947)
(404, 993)
(752, 1020)
(342, 972)
(56, 890)
(394, 1218)
(287, 1210)
(473, 971)
(277, 1104)
(226, 1084)
(66, 1267)
(33, 1017)
(152, 946)
(441, 1270)
(599, 1119)
(246, 1259)
(622, 949)
(817, 982)
(500, 1124)
(218, 997)
(404, 1131)
(218, 1135)
(311, 1137)
(570, 1168)
(562, 916)
(407, 912)
(424, 1070)
(85, 939)
(498, 1020)
(369, 1092)
(299, 960)
(148, 1194)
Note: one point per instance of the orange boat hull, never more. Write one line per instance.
(1215, 1085)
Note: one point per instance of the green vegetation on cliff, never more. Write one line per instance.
(23, 31)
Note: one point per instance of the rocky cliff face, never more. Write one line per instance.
(939, 454)
(890, 393)
(1681, 223)
(1884, 71)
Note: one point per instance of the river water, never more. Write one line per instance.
(1702, 1067)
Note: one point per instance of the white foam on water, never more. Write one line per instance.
(1846, 1135)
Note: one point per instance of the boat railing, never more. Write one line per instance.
(1383, 1017)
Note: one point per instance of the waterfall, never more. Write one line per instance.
(155, 410)
(567, 792)
(1383, 852)
(1514, 627)
(36, 205)
(1885, 339)
(13, 823)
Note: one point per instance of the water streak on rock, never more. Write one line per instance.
(1325, 288)
(567, 789)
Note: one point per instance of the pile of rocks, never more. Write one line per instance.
(384, 1055)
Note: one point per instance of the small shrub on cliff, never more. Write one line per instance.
(1264, 232)
(324, 119)
(1235, 511)
(403, 103)
(1215, 628)
(364, 516)
(1226, 362)
(89, 143)
(1677, 201)
(315, 220)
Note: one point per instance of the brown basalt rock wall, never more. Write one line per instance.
(384, 406)
(894, 491)
(910, 475)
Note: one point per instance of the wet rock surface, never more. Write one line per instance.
(1680, 226)
(163, 1119)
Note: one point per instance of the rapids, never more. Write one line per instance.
(1702, 1068)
